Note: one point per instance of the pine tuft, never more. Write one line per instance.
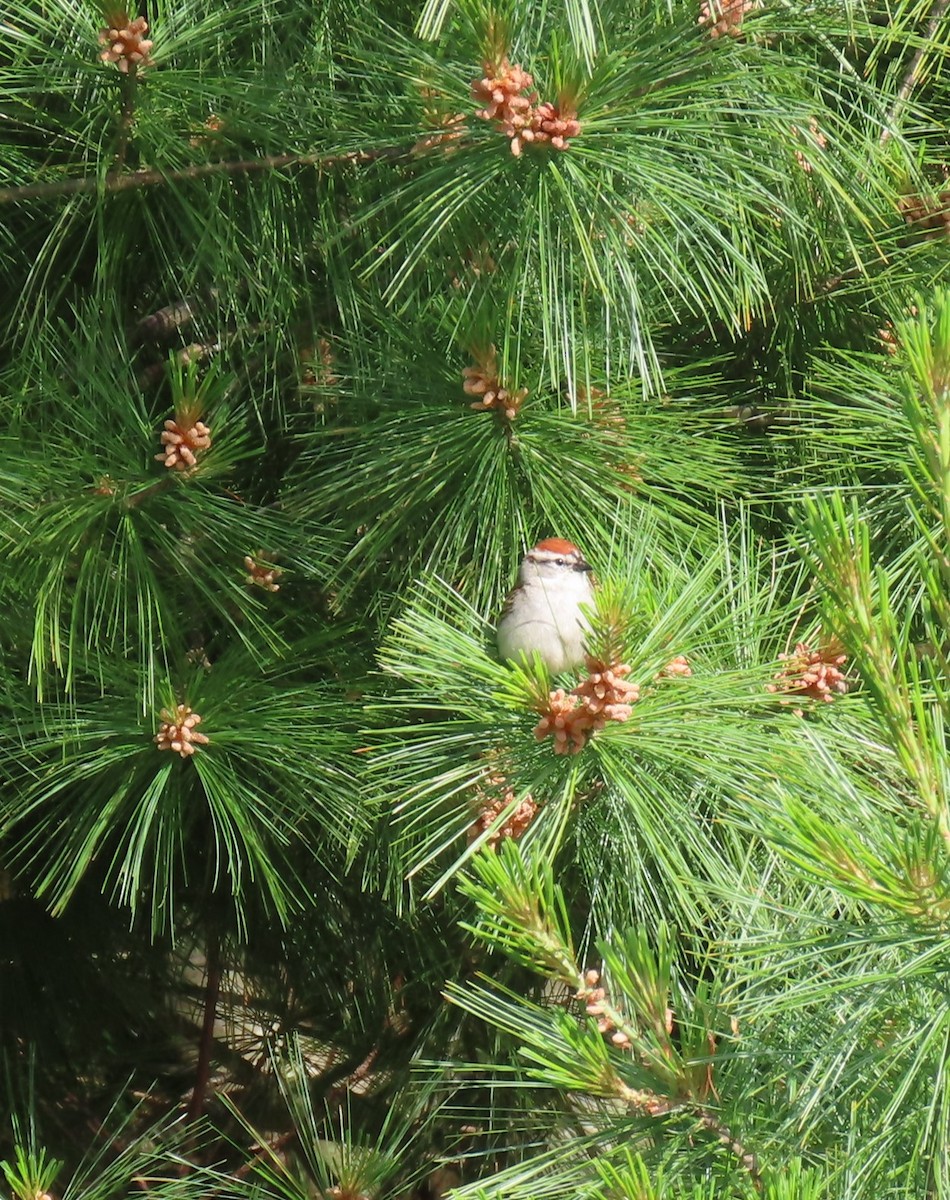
(127, 45)
(177, 731)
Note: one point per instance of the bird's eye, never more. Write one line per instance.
(559, 561)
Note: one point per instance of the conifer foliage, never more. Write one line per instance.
(316, 316)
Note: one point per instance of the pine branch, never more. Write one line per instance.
(654, 1105)
(150, 178)
(911, 78)
(747, 1160)
(260, 1154)
(206, 1042)
(129, 86)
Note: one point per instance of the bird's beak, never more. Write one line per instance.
(583, 566)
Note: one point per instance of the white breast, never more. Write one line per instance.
(545, 616)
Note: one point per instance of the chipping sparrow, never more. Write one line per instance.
(543, 611)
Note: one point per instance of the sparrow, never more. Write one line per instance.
(543, 610)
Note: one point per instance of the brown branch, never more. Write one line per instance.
(356, 1076)
(910, 81)
(259, 1153)
(835, 281)
(270, 1149)
(160, 485)
(151, 178)
(937, 14)
(126, 117)
(832, 282)
(725, 1135)
(654, 1105)
(205, 1045)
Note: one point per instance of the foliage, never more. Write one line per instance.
(296, 897)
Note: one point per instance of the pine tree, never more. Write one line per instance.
(317, 316)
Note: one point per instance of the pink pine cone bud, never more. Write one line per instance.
(177, 731)
(182, 442)
(606, 694)
(492, 807)
(498, 90)
(505, 91)
(815, 674)
(725, 17)
(261, 573)
(566, 720)
(550, 125)
(676, 667)
(482, 381)
(571, 718)
(127, 45)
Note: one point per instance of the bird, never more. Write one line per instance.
(543, 610)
